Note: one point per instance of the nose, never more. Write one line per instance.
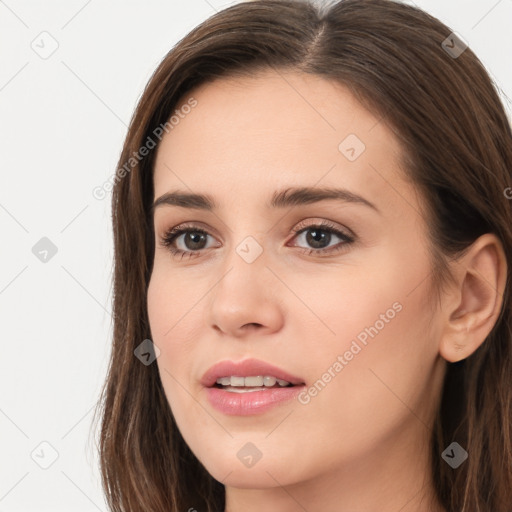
(246, 298)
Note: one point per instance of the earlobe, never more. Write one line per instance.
(475, 303)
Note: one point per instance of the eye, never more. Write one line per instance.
(319, 236)
(193, 238)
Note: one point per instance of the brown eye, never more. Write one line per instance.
(193, 240)
(317, 237)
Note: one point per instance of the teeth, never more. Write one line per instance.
(252, 381)
(238, 381)
(256, 381)
(269, 381)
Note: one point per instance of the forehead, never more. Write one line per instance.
(277, 129)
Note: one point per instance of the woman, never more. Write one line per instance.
(313, 230)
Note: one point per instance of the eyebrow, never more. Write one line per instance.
(280, 199)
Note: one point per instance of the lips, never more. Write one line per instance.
(246, 368)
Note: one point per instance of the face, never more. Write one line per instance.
(331, 291)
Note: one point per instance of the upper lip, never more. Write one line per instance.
(246, 368)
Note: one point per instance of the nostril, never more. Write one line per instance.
(252, 324)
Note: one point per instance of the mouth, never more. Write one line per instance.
(249, 387)
(248, 374)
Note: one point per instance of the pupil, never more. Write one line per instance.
(318, 236)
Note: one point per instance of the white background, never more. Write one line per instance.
(62, 124)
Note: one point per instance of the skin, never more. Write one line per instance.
(360, 444)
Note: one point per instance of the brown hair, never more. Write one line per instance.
(457, 147)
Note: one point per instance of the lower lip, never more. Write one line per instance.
(250, 402)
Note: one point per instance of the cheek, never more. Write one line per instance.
(375, 346)
(169, 321)
(175, 322)
(387, 341)
(172, 309)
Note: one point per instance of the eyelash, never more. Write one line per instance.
(167, 240)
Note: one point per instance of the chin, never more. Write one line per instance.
(257, 477)
(237, 470)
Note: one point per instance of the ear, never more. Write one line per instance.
(472, 307)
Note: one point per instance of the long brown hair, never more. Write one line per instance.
(457, 145)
